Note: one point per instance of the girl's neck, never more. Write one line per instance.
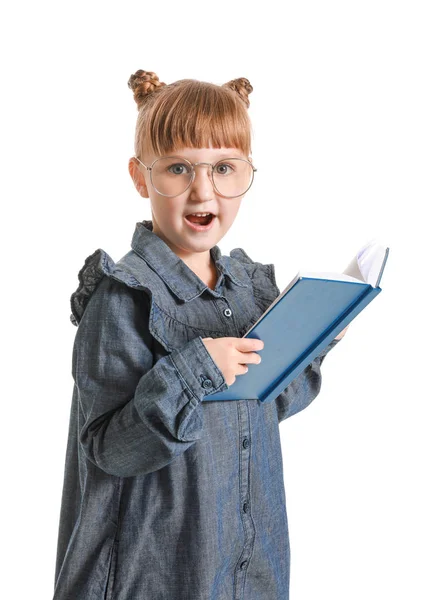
(200, 263)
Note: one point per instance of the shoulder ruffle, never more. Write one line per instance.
(96, 266)
(262, 277)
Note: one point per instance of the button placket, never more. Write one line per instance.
(227, 316)
(244, 487)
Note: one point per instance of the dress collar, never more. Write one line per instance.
(173, 270)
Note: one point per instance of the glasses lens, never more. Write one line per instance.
(233, 176)
(171, 176)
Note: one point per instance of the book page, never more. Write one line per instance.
(368, 262)
(331, 276)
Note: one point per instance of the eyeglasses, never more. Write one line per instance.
(173, 175)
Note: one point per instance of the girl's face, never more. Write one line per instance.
(168, 214)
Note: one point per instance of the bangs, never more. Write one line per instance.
(194, 114)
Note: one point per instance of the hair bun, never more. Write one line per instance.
(143, 83)
(242, 87)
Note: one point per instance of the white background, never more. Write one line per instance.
(340, 113)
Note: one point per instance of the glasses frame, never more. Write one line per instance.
(192, 165)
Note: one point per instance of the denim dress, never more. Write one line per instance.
(166, 497)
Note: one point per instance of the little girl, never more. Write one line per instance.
(165, 496)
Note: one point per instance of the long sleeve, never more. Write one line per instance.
(136, 416)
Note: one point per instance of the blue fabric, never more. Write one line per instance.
(166, 497)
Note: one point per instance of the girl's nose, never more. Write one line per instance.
(202, 184)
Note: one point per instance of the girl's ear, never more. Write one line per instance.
(138, 177)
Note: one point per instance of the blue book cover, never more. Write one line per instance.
(310, 312)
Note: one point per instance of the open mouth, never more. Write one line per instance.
(204, 220)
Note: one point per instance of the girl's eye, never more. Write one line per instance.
(221, 168)
(176, 169)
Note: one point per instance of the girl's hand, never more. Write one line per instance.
(231, 354)
(341, 334)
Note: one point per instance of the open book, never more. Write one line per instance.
(302, 321)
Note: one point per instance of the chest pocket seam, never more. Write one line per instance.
(187, 325)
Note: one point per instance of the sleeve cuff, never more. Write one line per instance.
(197, 368)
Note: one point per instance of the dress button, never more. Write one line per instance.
(245, 507)
(245, 443)
(227, 312)
(242, 565)
(207, 384)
